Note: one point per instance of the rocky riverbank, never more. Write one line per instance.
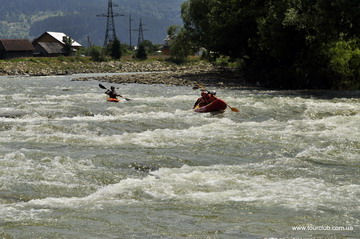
(55, 66)
(185, 78)
(201, 73)
(147, 72)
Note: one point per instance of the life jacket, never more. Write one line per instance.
(202, 101)
(211, 99)
(112, 94)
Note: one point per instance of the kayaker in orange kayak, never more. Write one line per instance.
(112, 93)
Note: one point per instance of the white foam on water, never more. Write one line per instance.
(323, 109)
(18, 172)
(95, 118)
(50, 131)
(172, 137)
(151, 115)
(217, 184)
(336, 131)
(118, 114)
(62, 172)
(17, 213)
(166, 99)
(26, 119)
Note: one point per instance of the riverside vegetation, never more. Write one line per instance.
(285, 44)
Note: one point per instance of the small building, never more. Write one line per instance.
(15, 48)
(52, 44)
(49, 49)
(165, 49)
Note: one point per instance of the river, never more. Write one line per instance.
(75, 166)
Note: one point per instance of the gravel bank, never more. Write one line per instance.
(201, 73)
(148, 72)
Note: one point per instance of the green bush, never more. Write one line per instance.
(96, 53)
(344, 61)
(226, 61)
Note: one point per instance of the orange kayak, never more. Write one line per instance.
(217, 105)
(113, 100)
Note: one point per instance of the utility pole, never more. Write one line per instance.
(89, 41)
(130, 20)
(110, 34)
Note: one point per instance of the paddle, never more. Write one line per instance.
(202, 87)
(233, 108)
(103, 87)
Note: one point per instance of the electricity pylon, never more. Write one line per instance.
(141, 33)
(110, 34)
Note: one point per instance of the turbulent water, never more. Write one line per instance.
(75, 166)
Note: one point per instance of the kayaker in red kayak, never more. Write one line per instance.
(211, 96)
(112, 93)
(206, 98)
(203, 100)
(208, 102)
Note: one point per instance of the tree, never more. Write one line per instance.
(180, 43)
(68, 45)
(141, 52)
(116, 49)
(223, 27)
(284, 43)
(149, 47)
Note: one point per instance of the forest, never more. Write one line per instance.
(285, 44)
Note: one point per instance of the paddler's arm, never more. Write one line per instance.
(196, 103)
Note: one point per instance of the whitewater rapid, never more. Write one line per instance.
(73, 165)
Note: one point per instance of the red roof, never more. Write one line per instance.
(17, 45)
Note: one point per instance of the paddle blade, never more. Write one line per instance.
(234, 109)
(102, 87)
(199, 86)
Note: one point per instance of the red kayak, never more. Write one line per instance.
(217, 105)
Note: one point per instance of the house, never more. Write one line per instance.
(49, 49)
(52, 44)
(14, 48)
